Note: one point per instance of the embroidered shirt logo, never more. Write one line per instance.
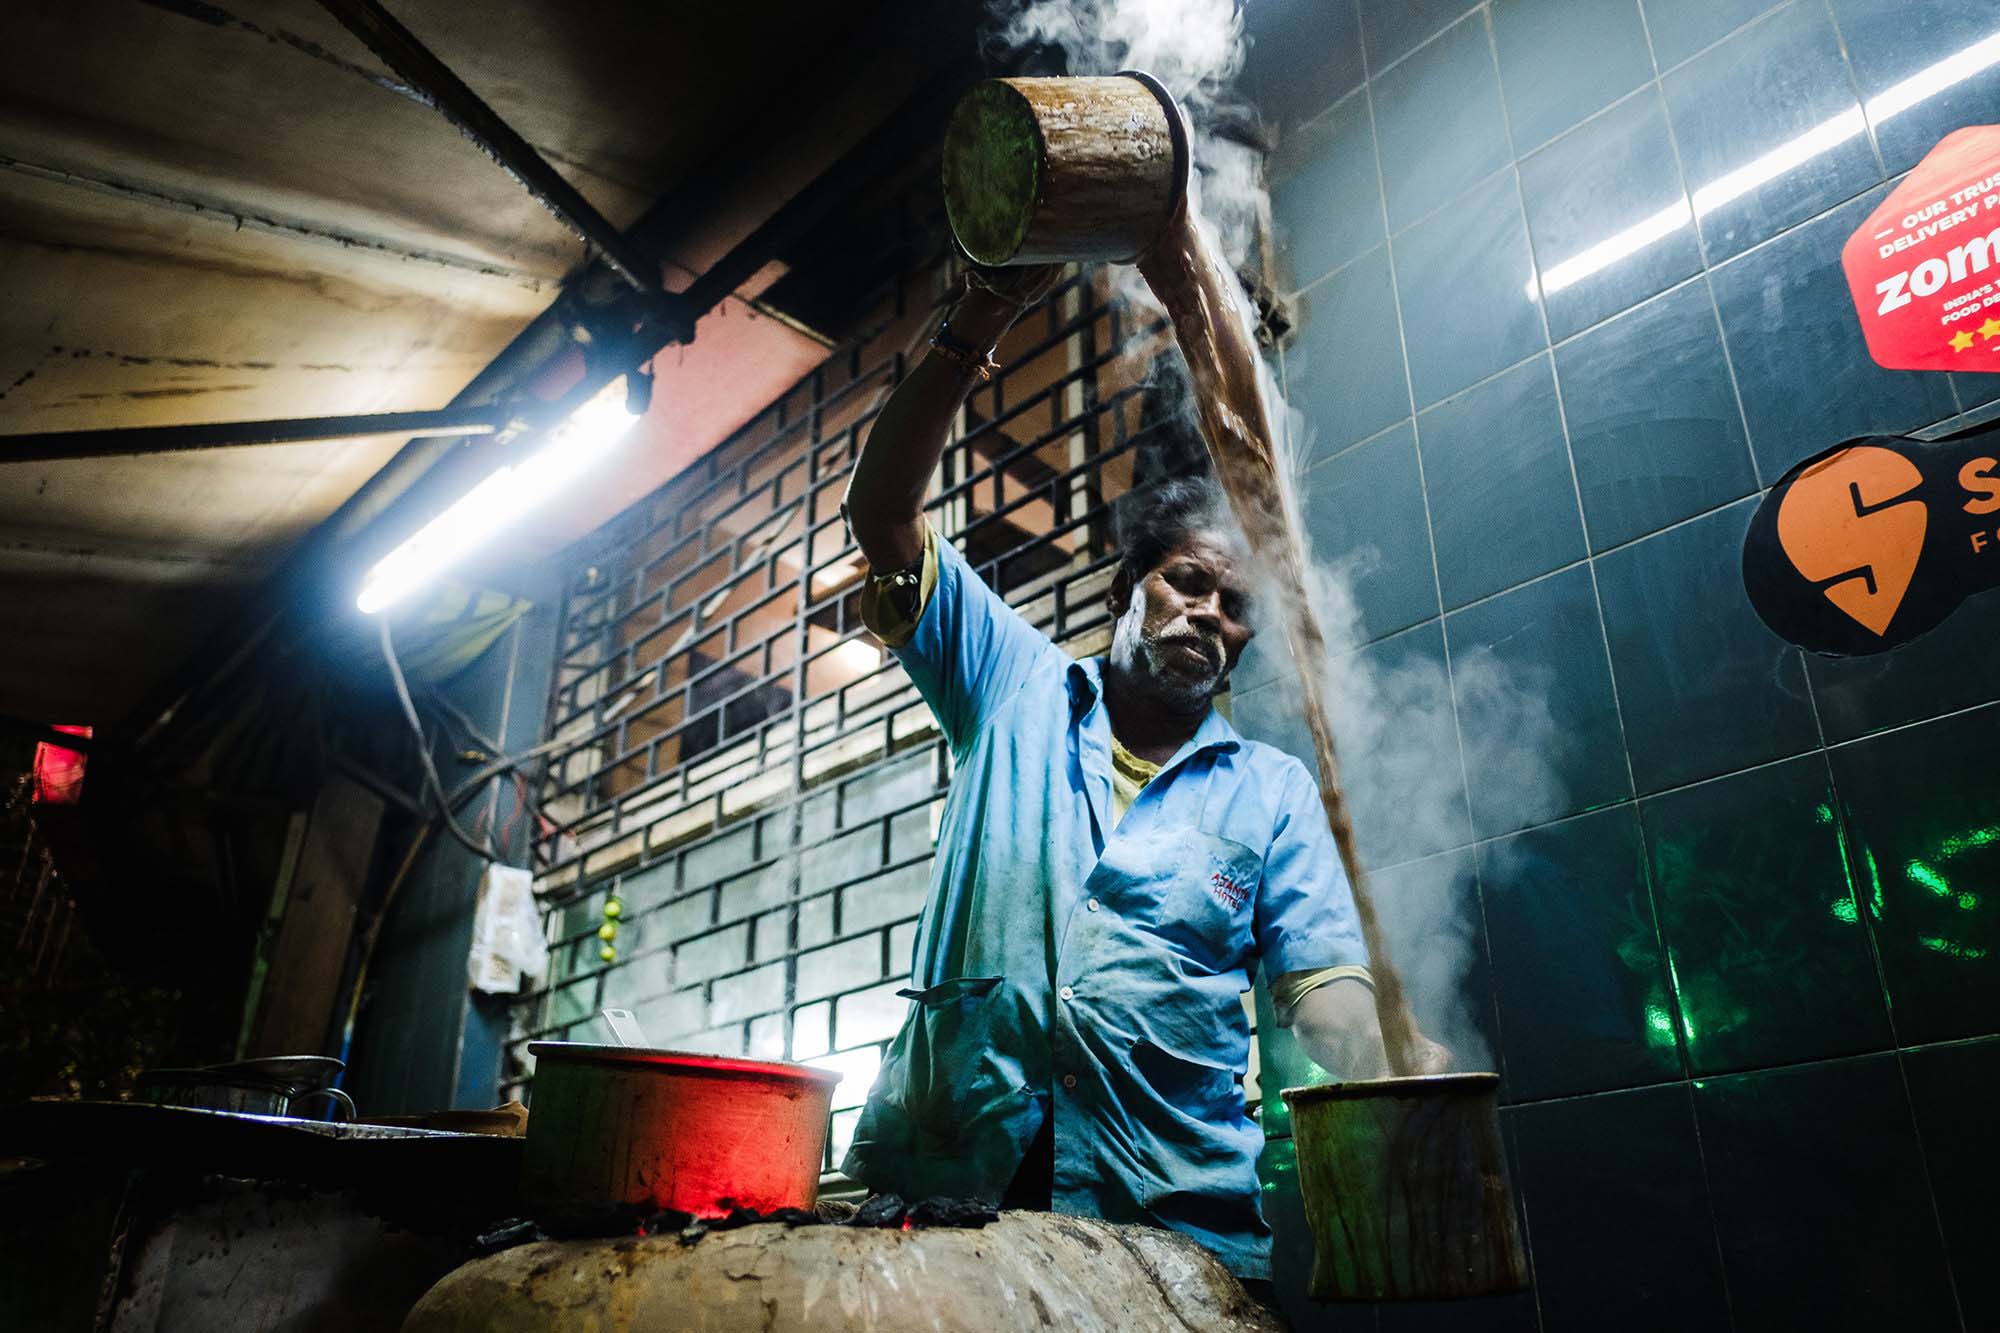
(1226, 890)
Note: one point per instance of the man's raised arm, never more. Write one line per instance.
(885, 495)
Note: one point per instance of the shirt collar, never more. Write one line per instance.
(1086, 687)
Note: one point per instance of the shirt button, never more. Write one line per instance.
(1069, 1080)
(1092, 904)
(1067, 993)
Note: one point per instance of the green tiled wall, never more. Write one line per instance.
(1739, 965)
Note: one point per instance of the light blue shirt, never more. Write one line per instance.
(1065, 968)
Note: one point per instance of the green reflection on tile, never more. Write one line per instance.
(1848, 909)
(1951, 948)
(1687, 1013)
(1927, 799)
(1660, 1025)
(1758, 906)
(1920, 873)
(1960, 843)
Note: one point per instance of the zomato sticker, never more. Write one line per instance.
(1925, 267)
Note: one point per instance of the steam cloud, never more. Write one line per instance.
(1405, 743)
(1195, 48)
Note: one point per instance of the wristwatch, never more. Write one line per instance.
(953, 348)
(904, 589)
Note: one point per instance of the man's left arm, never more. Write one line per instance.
(1310, 938)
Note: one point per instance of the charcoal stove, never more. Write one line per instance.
(1025, 1270)
(132, 1218)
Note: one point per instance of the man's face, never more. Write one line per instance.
(1183, 626)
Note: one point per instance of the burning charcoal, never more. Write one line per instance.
(665, 1220)
(506, 1236)
(738, 1217)
(614, 1219)
(881, 1210)
(953, 1213)
(794, 1217)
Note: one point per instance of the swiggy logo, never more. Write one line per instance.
(1864, 547)
(1847, 530)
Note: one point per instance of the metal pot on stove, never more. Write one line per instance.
(277, 1085)
(700, 1134)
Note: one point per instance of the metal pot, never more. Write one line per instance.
(1404, 1182)
(273, 1086)
(700, 1134)
(1053, 170)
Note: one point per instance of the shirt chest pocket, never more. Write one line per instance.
(1193, 889)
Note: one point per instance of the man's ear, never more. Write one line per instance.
(1119, 596)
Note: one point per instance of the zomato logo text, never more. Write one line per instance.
(1924, 268)
(1930, 277)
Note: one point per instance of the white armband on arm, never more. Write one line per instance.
(1289, 989)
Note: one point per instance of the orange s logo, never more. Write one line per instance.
(1839, 529)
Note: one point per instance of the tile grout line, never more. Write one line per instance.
(1736, 390)
(1754, 1071)
(1569, 450)
(1409, 390)
(1848, 838)
(1662, 968)
(1444, 638)
(1701, 250)
(1430, 535)
(1688, 59)
(1346, 449)
(1369, 76)
(1402, 342)
(1854, 86)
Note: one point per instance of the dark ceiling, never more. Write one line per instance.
(228, 214)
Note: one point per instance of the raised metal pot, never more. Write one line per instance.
(1404, 1182)
(1050, 170)
(701, 1134)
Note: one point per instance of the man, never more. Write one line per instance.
(1114, 864)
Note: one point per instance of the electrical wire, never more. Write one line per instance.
(503, 764)
(431, 779)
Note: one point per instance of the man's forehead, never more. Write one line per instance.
(1219, 549)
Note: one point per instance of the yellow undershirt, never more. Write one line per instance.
(1129, 775)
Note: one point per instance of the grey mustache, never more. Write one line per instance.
(1210, 645)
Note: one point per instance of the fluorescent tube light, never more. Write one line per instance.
(1928, 82)
(568, 451)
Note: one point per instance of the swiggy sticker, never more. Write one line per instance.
(1864, 547)
(1925, 267)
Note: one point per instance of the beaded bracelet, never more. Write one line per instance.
(979, 364)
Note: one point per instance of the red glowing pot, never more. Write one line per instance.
(698, 1133)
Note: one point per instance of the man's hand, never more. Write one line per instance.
(1336, 1025)
(1018, 285)
(1432, 1057)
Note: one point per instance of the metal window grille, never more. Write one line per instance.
(738, 763)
